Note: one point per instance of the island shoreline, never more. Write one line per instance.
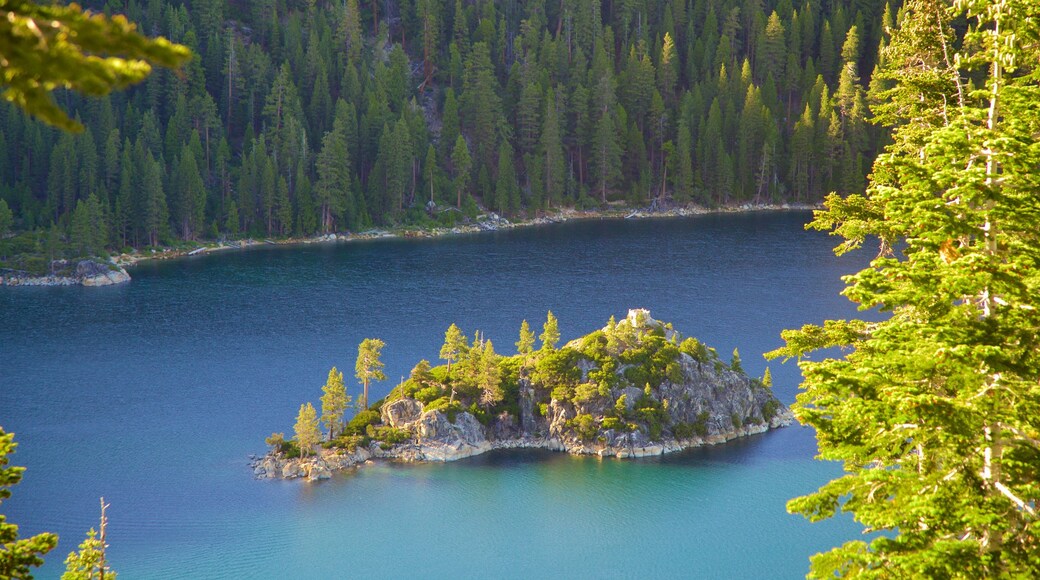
(274, 465)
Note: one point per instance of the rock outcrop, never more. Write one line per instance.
(84, 272)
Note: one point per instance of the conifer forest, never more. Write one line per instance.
(301, 117)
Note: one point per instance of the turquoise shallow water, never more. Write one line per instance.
(153, 394)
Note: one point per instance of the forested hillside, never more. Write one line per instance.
(298, 117)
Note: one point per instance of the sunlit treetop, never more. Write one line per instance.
(47, 47)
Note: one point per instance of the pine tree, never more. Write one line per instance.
(528, 115)
(349, 31)
(668, 69)
(282, 207)
(460, 161)
(525, 345)
(369, 367)
(454, 345)
(189, 195)
(507, 196)
(481, 105)
(307, 432)
(17, 555)
(489, 377)
(606, 151)
(551, 148)
(431, 171)
(333, 168)
(450, 125)
(801, 157)
(231, 223)
(80, 234)
(6, 218)
(933, 410)
(550, 333)
(429, 15)
(398, 164)
(334, 402)
(89, 562)
(156, 214)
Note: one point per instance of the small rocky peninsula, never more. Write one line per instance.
(69, 273)
(634, 388)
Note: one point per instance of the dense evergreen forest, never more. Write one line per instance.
(299, 117)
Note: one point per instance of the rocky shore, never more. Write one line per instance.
(484, 223)
(277, 466)
(698, 400)
(84, 273)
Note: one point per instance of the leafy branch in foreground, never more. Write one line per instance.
(935, 411)
(47, 46)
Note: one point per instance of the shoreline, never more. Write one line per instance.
(485, 223)
(274, 465)
(90, 273)
(489, 222)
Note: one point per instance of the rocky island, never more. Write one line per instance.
(634, 388)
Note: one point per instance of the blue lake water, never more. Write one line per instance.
(153, 394)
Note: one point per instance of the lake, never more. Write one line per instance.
(154, 394)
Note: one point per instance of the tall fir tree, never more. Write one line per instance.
(933, 410)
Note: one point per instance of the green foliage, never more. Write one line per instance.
(446, 406)
(613, 423)
(296, 128)
(700, 426)
(84, 564)
(683, 430)
(621, 407)
(585, 427)
(735, 420)
(695, 349)
(348, 443)
(334, 402)
(47, 47)
(6, 220)
(550, 333)
(361, 420)
(734, 364)
(390, 435)
(369, 367)
(488, 377)
(307, 433)
(525, 346)
(479, 413)
(652, 412)
(278, 443)
(934, 410)
(586, 392)
(428, 394)
(653, 360)
(17, 556)
(455, 346)
(770, 409)
(558, 370)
